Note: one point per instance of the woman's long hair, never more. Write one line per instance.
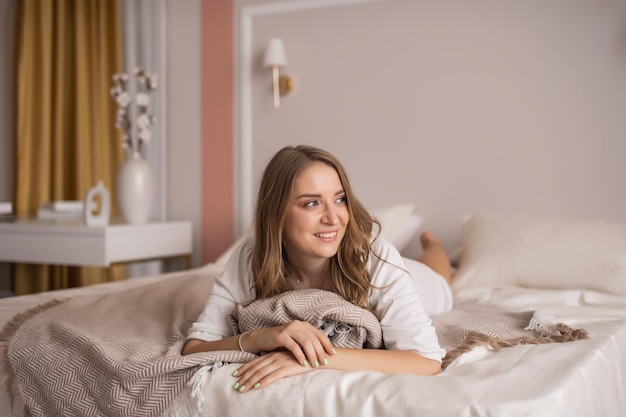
(347, 269)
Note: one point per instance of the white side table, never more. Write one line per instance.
(71, 243)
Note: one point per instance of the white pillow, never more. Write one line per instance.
(542, 252)
(399, 224)
(223, 258)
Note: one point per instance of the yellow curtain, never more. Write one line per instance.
(66, 139)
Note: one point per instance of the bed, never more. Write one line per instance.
(520, 280)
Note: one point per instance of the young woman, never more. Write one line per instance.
(312, 232)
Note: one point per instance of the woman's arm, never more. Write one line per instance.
(307, 344)
(196, 346)
(274, 366)
(387, 361)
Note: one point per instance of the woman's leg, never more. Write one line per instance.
(432, 274)
(435, 256)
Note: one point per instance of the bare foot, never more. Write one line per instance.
(435, 255)
(427, 239)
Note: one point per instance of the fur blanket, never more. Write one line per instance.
(118, 354)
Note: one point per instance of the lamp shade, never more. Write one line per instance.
(275, 54)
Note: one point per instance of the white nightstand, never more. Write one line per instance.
(71, 243)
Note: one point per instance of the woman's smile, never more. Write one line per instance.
(327, 236)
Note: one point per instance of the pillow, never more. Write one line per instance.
(542, 252)
(399, 224)
(223, 258)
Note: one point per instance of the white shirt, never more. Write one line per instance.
(394, 301)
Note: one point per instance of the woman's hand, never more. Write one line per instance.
(267, 369)
(308, 345)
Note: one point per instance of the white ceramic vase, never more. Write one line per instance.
(135, 189)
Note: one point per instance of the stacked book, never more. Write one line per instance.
(63, 209)
(6, 213)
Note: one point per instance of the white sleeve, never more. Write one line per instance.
(396, 303)
(232, 287)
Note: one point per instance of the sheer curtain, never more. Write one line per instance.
(144, 28)
(65, 136)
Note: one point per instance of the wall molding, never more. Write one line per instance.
(244, 141)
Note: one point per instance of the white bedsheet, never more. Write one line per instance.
(581, 378)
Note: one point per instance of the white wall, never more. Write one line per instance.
(455, 106)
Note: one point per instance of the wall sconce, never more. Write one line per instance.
(275, 58)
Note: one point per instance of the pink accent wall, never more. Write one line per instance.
(217, 127)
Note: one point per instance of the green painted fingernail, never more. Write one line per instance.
(325, 361)
(306, 363)
(236, 385)
(334, 351)
(241, 388)
(236, 372)
(257, 385)
(317, 364)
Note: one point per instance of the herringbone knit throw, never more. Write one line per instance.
(345, 324)
(106, 355)
(471, 324)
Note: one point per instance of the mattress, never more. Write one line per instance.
(579, 378)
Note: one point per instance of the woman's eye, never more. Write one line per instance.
(341, 200)
(312, 203)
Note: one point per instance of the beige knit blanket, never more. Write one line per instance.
(473, 324)
(106, 355)
(119, 354)
(345, 324)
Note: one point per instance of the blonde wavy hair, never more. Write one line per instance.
(347, 269)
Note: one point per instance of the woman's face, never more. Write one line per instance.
(317, 215)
